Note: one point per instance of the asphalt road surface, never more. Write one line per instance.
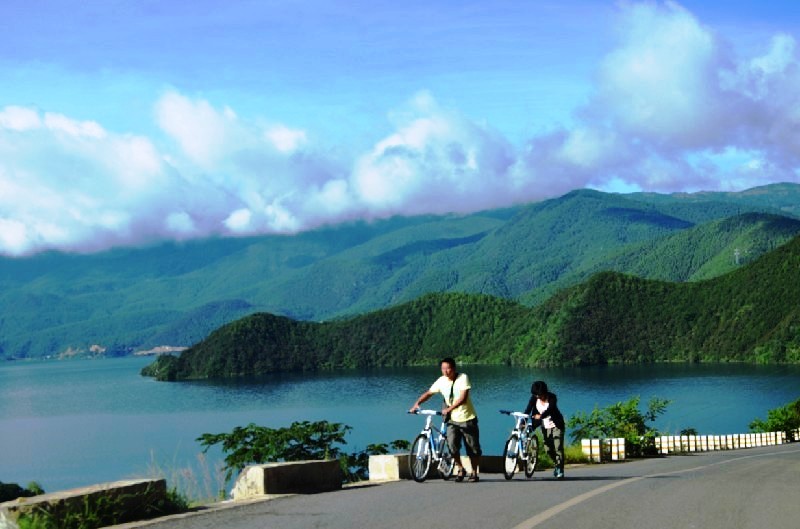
(738, 489)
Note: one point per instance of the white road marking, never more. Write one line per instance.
(543, 516)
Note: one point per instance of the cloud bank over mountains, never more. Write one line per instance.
(672, 109)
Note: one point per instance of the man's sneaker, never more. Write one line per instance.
(559, 474)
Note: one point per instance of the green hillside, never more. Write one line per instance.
(748, 315)
(781, 199)
(175, 294)
(701, 252)
(474, 326)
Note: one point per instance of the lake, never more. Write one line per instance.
(73, 423)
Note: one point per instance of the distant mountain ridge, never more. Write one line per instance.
(748, 315)
(176, 294)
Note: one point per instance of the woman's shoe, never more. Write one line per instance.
(461, 475)
(474, 478)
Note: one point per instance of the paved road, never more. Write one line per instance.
(753, 488)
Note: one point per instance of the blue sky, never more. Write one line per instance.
(126, 122)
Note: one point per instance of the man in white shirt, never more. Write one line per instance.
(463, 421)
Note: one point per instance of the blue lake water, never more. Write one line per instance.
(74, 423)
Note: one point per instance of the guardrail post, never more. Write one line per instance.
(591, 449)
(605, 449)
(618, 449)
(663, 445)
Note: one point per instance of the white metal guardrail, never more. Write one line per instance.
(598, 450)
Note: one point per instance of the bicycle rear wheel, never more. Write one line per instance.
(446, 463)
(510, 456)
(419, 459)
(532, 453)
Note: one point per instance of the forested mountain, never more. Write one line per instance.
(748, 315)
(701, 252)
(175, 294)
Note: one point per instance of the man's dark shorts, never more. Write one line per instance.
(469, 432)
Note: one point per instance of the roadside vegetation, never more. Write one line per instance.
(621, 420)
(783, 419)
(301, 441)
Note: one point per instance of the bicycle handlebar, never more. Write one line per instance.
(517, 414)
(424, 412)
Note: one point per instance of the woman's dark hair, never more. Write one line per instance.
(448, 360)
(539, 388)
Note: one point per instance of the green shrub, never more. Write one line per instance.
(783, 419)
(623, 419)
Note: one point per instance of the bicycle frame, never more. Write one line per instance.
(434, 448)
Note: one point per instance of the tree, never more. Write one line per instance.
(301, 441)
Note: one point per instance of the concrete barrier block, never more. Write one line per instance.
(293, 477)
(395, 466)
(389, 467)
(116, 502)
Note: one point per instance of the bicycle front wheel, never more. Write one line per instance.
(532, 455)
(419, 459)
(446, 461)
(510, 456)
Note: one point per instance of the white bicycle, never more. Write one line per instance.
(522, 447)
(430, 445)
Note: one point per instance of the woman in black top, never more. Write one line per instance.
(543, 406)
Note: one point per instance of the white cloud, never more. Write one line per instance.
(13, 236)
(239, 221)
(673, 109)
(670, 93)
(78, 129)
(285, 139)
(780, 56)
(180, 223)
(436, 161)
(196, 126)
(19, 119)
(661, 83)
